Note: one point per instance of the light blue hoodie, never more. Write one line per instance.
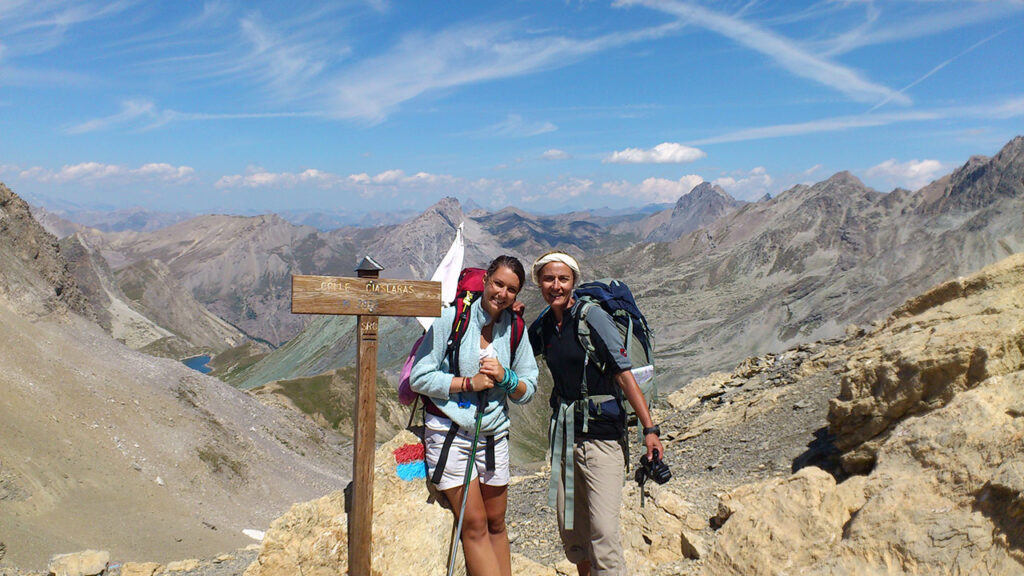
(431, 375)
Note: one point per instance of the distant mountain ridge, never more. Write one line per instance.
(729, 280)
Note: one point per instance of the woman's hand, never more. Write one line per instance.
(493, 369)
(652, 443)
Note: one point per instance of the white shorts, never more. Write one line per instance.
(455, 468)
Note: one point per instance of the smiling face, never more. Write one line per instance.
(556, 284)
(500, 290)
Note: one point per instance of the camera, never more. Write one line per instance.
(655, 469)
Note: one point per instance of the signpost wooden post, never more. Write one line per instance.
(367, 297)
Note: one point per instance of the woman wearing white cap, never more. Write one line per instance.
(587, 453)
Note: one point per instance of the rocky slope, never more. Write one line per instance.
(151, 288)
(33, 276)
(109, 448)
(144, 306)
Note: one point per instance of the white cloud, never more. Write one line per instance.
(747, 185)
(256, 177)
(912, 174)
(95, 172)
(657, 190)
(556, 154)
(651, 190)
(367, 185)
(664, 153)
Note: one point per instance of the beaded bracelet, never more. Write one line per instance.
(510, 382)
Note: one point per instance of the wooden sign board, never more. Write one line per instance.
(365, 296)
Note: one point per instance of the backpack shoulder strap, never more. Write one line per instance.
(583, 332)
(536, 333)
(518, 329)
(459, 326)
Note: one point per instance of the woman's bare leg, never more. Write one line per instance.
(495, 503)
(476, 540)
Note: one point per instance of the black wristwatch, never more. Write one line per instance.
(656, 430)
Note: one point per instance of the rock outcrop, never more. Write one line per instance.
(33, 274)
(932, 408)
(411, 531)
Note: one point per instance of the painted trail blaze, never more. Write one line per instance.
(410, 462)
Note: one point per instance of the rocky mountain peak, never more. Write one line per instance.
(981, 181)
(704, 195)
(449, 209)
(844, 178)
(698, 208)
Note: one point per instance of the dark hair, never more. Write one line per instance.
(510, 262)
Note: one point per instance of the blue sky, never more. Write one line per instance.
(548, 105)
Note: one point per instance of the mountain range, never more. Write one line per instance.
(97, 433)
(719, 279)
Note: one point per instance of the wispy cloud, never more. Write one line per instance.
(939, 17)
(97, 173)
(36, 27)
(937, 68)
(912, 174)
(143, 115)
(514, 126)
(287, 65)
(1003, 110)
(664, 153)
(458, 56)
(556, 154)
(786, 53)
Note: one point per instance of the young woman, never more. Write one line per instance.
(587, 454)
(485, 378)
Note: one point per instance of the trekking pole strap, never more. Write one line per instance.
(561, 437)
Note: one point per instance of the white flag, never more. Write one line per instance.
(447, 273)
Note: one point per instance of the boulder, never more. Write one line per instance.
(85, 563)
(782, 524)
(663, 530)
(140, 568)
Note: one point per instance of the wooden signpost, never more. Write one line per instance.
(367, 297)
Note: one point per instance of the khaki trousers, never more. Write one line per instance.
(598, 481)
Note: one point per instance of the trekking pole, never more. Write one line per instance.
(470, 464)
